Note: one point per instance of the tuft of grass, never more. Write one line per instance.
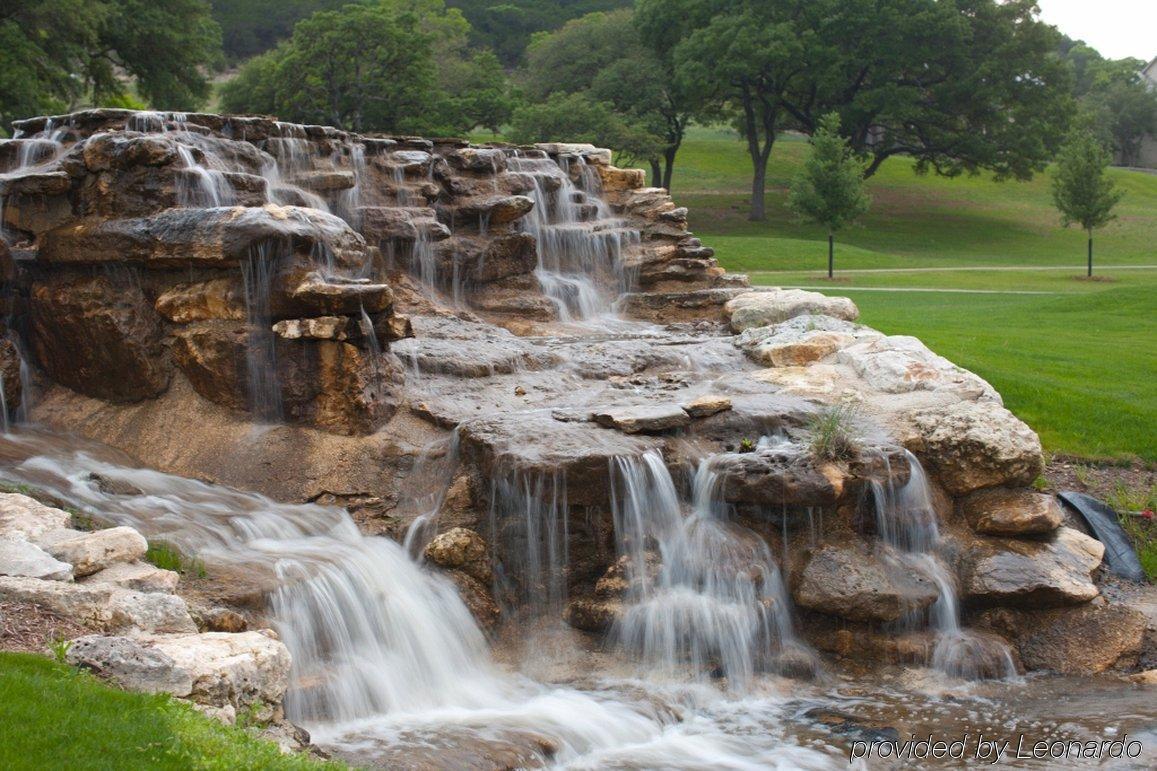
(168, 557)
(1131, 504)
(833, 433)
(67, 718)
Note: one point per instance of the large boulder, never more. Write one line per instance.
(98, 337)
(216, 669)
(28, 518)
(763, 308)
(863, 583)
(971, 445)
(23, 558)
(97, 550)
(1050, 572)
(800, 340)
(899, 364)
(1001, 511)
(1074, 641)
(102, 607)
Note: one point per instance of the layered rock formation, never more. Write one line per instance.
(450, 339)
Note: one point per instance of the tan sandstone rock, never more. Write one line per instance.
(1045, 573)
(91, 552)
(860, 582)
(461, 549)
(1001, 511)
(1074, 641)
(762, 308)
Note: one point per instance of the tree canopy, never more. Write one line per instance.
(391, 65)
(57, 55)
(1114, 96)
(957, 86)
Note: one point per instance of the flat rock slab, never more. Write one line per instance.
(763, 308)
(29, 518)
(22, 558)
(1001, 511)
(137, 576)
(645, 419)
(1046, 573)
(95, 551)
(707, 405)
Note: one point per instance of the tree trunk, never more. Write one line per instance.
(1090, 254)
(669, 165)
(656, 173)
(758, 188)
(831, 255)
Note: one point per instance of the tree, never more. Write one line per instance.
(1116, 96)
(393, 65)
(578, 118)
(829, 190)
(603, 56)
(957, 85)
(57, 55)
(507, 26)
(1081, 191)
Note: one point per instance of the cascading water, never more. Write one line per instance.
(906, 521)
(386, 658)
(715, 601)
(257, 274)
(580, 243)
(529, 526)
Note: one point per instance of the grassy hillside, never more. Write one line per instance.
(57, 717)
(1074, 358)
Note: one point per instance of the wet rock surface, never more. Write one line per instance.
(862, 584)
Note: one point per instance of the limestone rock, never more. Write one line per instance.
(100, 339)
(91, 552)
(218, 298)
(972, 445)
(224, 620)
(778, 477)
(151, 612)
(21, 516)
(102, 606)
(131, 664)
(22, 558)
(137, 576)
(707, 405)
(1008, 571)
(1074, 641)
(760, 309)
(1000, 511)
(593, 614)
(461, 549)
(857, 582)
(900, 364)
(615, 180)
(318, 328)
(643, 419)
(476, 596)
(800, 340)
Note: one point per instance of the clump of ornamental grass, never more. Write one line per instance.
(833, 433)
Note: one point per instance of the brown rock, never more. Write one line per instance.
(1002, 511)
(477, 598)
(593, 614)
(1051, 572)
(463, 550)
(218, 298)
(857, 582)
(100, 339)
(707, 405)
(1075, 641)
(643, 419)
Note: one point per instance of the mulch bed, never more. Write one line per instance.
(32, 629)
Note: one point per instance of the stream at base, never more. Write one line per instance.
(391, 670)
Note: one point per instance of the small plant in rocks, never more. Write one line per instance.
(833, 433)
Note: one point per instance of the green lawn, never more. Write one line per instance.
(1076, 359)
(55, 717)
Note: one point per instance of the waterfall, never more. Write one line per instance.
(386, 658)
(206, 188)
(257, 274)
(580, 244)
(529, 530)
(291, 156)
(715, 602)
(906, 521)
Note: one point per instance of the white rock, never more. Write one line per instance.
(901, 364)
(226, 668)
(90, 552)
(972, 445)
(763, 308)
(23, 558)
(216, 670)
(24, 516)
(800, 340)
(137, 576)
(130, 663)
(102, 606)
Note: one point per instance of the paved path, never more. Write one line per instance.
(1077, 268)
(837, 289)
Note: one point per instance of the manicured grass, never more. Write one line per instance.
(1076, 362)
(55, 717)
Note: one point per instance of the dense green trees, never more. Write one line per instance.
(391, 65)
(506, 26)
(829, 190)
(1114, 97)
(58, 54)
(958, 86)
(602, 57)
(1082, 192)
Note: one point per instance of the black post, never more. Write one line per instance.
(832, 259)
(1090, 255)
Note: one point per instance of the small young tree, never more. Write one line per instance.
(830, 188)
(1081, 191)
